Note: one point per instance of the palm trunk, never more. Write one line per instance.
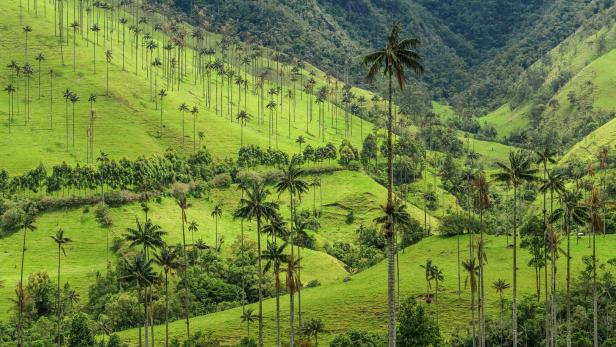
(277, 308)
(390, 232)
(20, 327)
(166, 308)
(568, 297)
(58, 303)
(260, 285)
(291, 296)
(514, 322)
(594, 289)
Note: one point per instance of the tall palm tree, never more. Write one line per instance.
(27, 30)
(472, 273)
(167, 258)
(139, 269)
(194, 111)
(161, 94)
(183, 108)
(300, 140)
(275, 257)
(183, 204)
(216, 213)
(593, 204)
(248, 318)
(482, 203)
(60, 240)
(95, 29)
(242, 117)
(572, 212)
(108, 59)
(40, 57)
(193, 227)
(75, 26)
(148, 235)
(438, 277)
(518, 170)
(254, 206)
(74, 98)
(398, 55)
(500, 285)
(545, 157)
(27, 224)
(291, 181)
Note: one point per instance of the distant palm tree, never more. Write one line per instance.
(183, 108)
(314, 327)
(242, 117)
(397, 55)
(167, 258)
(193, 227)
(254, 206)
(194, 111)
(248, 318)
(517, 171)
(27, 30)
(572, 212)
(39, 58)
(275, 256)
(108, 59)
(473, 272)
(183, 204)
(500, 285)
(74, 98)
(482, 202)
(140, 271)
(95, 29)
(161, 94)
(27, 224)
(75, 26)
(201, 135)
(216, 213)
(61, 241)
(300, 141)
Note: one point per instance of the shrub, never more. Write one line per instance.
(11, 218)
(359, 338)
(103, 216)
(416, 327)
(80, 332)
(313, 284)
(222, 180)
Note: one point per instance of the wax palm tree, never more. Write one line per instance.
(167, 258)
(275, 257)
(248, 318)
(271, 106)
(61, 241)
(438, 277)
(216, 213)
(194, 111)
(183, 108)
(161, 94)
(482, 202)
(472, 271)
(108, 59)
(27, 224)
(75, 26)
(148, 235)
(300, 140)
(314, 327)
(593, 205)
(427, 276)
(10, 89)
(74, 98)
(517, 171)
(545, 157)
(95, 29)
(141, 272)
(397, 56)
(291, 181)
(40, 57)
(242, 117)
(193, 227)
(27, 30)
(254, 206)
(183, 204)
(572, 212)
(500, 285)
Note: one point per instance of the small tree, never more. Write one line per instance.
(415, 327)
(80, 332)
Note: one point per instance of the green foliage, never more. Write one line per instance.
(359, 338)
(80, 332)
(416, 327)
(456, 224)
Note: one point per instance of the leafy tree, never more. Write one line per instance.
(80, 333)
(416, 327)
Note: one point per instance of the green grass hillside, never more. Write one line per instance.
(361, 302)
(127, 121)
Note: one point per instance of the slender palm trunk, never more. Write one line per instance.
(59, 305)
(166, 308)
(260, 284)
(20, 328)
(568, 297)
(390, 232)
(514, 322)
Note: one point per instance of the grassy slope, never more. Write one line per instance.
(127, 121)
(506, 120)
(360, 303)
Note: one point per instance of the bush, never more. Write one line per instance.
(313, 284)
(11, 219)
(80, 332)
(415, 327)
(222, 180)
(103, 216)
(359, 338)
(247, 342)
